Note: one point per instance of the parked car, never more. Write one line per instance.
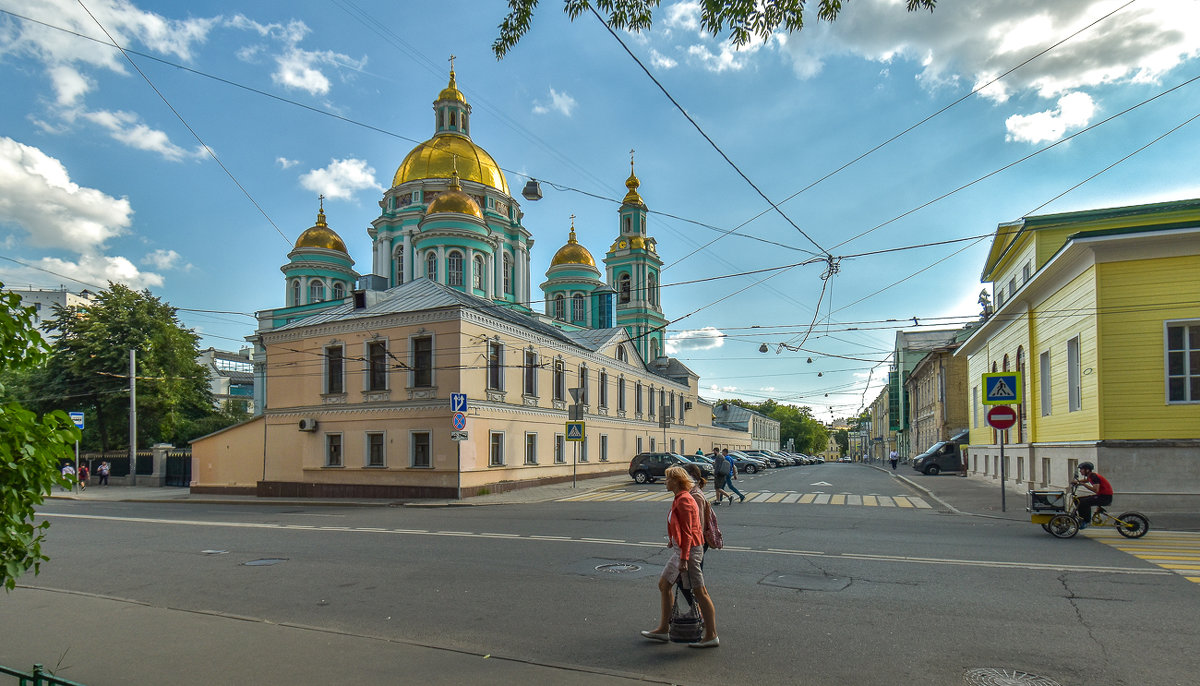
(763, 455)
(745, 463)
(648, 467)
(706, 467)
(943, 456)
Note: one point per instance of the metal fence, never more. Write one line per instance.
(118, 461)
(179, 468)
(38, 677)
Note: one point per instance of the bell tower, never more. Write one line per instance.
(633, 270)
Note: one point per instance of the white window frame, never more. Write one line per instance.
(1074, 375)
(1044, 381)
(369, 365)
(583, 450)
(604, 447)
(1187, 351)
(412, 360)
(560, 449)
(639, 446)
(412, 449)
(578, 311)
(602, 387)
(495, 366)
(529, 380)
(340, 460)
(316, 291)
(495, 448)
(531, 447)
(341, 371)
(382, 449)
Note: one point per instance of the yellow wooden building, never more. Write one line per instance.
(1100, 311)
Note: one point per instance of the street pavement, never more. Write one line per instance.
(202, 648)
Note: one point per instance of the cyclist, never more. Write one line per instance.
(1102, 492)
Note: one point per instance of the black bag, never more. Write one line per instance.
(687, 626)
(723, 466)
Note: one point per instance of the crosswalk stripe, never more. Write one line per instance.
(870, 500)
(791, 498)
(777, 497)
(838, 500)
(760, 497)
(886, 501)
(901, 501)
(1178, 551)
(787, 498)
(822, 499)
(807, 498)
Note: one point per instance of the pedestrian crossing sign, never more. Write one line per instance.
(575, 431)
(1002, 388)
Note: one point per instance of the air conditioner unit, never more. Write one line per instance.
(687, 405)
(308, 424)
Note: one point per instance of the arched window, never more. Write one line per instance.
(560, 307)
(622, 356)
(577, 312)
(295, 292)
(454, 268)
(316, 291)
(339, 291)
(623, 288)
(431, 265)
(628, 225)
(477, 277)
(398, 260)
(654, 349)
(1005, 367)
(652, 289)
(507, 274)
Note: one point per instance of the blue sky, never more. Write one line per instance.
(103, 176)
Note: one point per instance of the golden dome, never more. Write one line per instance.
(320, 235)
(454, 200)
(437, 157)
(451, 92)
(632, 183)
(573, 252)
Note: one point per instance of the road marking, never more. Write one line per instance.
(997, 564)
(870, 501)
(821, 483)
(1177, 551)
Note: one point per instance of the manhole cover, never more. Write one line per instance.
(989, 676)
(264, 562)
(617, 567)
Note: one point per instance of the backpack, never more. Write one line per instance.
(723, 466)
(712, 532)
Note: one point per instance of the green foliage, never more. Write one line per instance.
(842, 436)
(89, 369)
(744, 20)
(31, 449)
(797, 423)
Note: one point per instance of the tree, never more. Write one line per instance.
(31, 449)
(796, 423)
(745, 20)
(842, 436)
(89, 368)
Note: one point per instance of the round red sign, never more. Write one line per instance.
(1001, 417)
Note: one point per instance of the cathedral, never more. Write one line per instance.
(354, 373)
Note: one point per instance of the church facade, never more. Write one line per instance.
(354, 373)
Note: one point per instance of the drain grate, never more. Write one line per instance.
(266, 561)
(618, 567)
(990, 676)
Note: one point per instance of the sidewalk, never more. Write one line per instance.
(173, 494)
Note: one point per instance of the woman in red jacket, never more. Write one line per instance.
(687, 552)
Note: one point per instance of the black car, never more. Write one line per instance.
(647, 467)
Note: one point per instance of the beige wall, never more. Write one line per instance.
(232, 458)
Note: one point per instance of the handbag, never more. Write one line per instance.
(712, 532)
(686, 624)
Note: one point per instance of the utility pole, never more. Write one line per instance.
(132, 417)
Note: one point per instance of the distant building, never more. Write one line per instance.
(43, 301)
(1098, 311)
(937, 395)
(763, 430)
(231, 377)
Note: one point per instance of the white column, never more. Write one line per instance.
(408, 258)
(497, 269)
(442, 267)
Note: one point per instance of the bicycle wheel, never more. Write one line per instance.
(1063, 526)
(1133, 525)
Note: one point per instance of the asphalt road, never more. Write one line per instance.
(805, 593)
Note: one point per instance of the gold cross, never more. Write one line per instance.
(322, 199)
(452, 63)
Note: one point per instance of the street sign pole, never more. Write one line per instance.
(1003, 434)
(1002, 418)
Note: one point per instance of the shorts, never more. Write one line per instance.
(720, 481)
(695, 573)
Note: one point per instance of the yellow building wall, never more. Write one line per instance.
(1136, 297)
(232, 457)
(1067, 313)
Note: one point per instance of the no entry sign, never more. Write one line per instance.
(1001, 417)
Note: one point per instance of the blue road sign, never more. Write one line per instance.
(77, 417)
(460, 421)
(458, 402)
(575, 431)
(1002, 388)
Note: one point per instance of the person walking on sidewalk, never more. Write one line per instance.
(893, 457)
(68, 474)
(720, 476)
(732, 476)
(84, 475)
(686, 538)
(102, 470)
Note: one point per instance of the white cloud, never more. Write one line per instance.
(296, 68)
(162, 259)
(69, 84)
(1074, 111)
(127, 128)
(38, 196)
(661, 61)
(683, 15)
(706, 338)
(559, 102)
(341, 179)
(285, 163)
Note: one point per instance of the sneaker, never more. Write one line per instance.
(1083, 525)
